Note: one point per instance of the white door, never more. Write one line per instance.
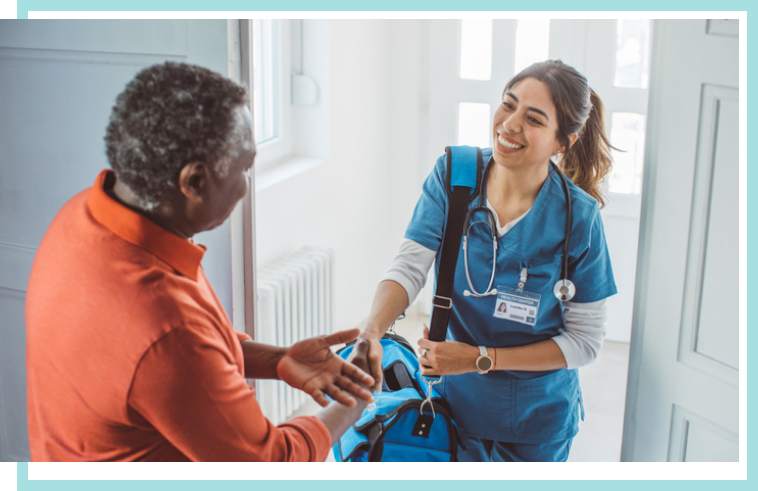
(58, 82)
(682, 399)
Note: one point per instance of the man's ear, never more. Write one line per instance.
(193, 180)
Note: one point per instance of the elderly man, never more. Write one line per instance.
(130, 355)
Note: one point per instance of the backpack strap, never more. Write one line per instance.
(462, 187)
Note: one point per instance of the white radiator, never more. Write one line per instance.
(295, 301)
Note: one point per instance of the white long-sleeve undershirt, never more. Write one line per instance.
(584, 323)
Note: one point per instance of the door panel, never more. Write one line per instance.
(712, 340)
(705, 344)
(161, 38)
(694, 439)
(14, 443)
(67, 112)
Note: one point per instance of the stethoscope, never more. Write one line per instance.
(564, 289)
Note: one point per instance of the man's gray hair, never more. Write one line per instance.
(168, 116)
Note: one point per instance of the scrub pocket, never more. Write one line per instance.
(547, 408)
(482, 405)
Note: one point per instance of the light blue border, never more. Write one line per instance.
(23, 8)
(25, 485)
(748, 390)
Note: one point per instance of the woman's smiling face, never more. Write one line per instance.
(525, 126)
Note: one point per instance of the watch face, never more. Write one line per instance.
(484, 363)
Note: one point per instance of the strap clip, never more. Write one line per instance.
(448, 305)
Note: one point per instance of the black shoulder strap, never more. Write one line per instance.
(460, 196)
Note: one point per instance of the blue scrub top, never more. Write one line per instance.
(518, 406)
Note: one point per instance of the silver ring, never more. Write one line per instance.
(423, 354)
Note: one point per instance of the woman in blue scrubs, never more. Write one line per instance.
(525, 404)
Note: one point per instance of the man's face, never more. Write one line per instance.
(223, 193)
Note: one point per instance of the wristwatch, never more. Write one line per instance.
(484, 362)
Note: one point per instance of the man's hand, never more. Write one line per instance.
(313, 368)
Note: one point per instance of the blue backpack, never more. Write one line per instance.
(402, 426)
(396, 428)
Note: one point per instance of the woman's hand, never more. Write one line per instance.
(312, 367)
(375, 352)
(359, 355)
(447, 357)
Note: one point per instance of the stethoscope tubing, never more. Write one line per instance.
(563, 285)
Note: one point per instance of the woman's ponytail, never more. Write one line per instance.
(589, 160)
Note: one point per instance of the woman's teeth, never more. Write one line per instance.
(506, 144)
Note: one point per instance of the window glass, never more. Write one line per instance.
(476, 49)
(532, 41)
(632, 53)
(474, 124)
(265, 78)
(628, 134)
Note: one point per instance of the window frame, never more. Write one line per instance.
(281, 147)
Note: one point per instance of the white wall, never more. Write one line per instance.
(410, 161)
(358, 200)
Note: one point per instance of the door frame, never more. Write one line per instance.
(642, 278)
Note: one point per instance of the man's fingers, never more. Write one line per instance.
(340, 396)
(319, 397)
(354, 389)
(357, 374)
(425, 343)
(342, 337)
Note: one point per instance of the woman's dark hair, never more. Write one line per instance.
(167, 116)
(579, 110)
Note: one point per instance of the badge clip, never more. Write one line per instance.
(521, 281)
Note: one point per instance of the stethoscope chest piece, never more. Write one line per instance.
(564, 290)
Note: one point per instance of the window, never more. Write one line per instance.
(628, 134)
(266, 46)
(271, 89)
(532, 41)
(476, 49)
(632, 54)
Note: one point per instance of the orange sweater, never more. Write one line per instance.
(130, 355)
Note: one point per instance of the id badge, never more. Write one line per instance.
(517, 305)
